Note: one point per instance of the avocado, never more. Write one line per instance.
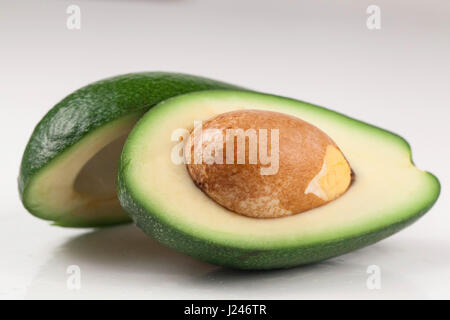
(69, 167)
(387, 192)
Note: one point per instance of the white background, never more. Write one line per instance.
(319, 51)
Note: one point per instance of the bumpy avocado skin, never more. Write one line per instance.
(95, 105)
(247, 259)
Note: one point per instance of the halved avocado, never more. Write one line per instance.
(69, 167)
(387, 194)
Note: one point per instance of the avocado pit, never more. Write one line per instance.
(264, 164)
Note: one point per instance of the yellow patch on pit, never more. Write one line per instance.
(333, 178)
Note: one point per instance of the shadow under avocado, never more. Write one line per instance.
(122, 262)
(112, 261)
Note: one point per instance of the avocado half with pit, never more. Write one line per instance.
(69, 167)
(340, 184)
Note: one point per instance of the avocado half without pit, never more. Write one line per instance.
(257, 181)
(69, 168)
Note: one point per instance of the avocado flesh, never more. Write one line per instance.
(69, 166)
(70, 191)
(387, 194)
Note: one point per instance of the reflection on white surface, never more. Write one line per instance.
(122, 262)
(318, 51)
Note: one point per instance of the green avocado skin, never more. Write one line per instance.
(254, 257)
(97, 104)
(247, 259)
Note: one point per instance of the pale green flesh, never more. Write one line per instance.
(79, 187)
(387, 189)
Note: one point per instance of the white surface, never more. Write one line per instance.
(319, 51)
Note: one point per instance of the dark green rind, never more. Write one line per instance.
(93, 106)
(97, 223)
(247, 258)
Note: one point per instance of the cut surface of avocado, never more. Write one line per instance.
(69, 168)
(387, 194)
